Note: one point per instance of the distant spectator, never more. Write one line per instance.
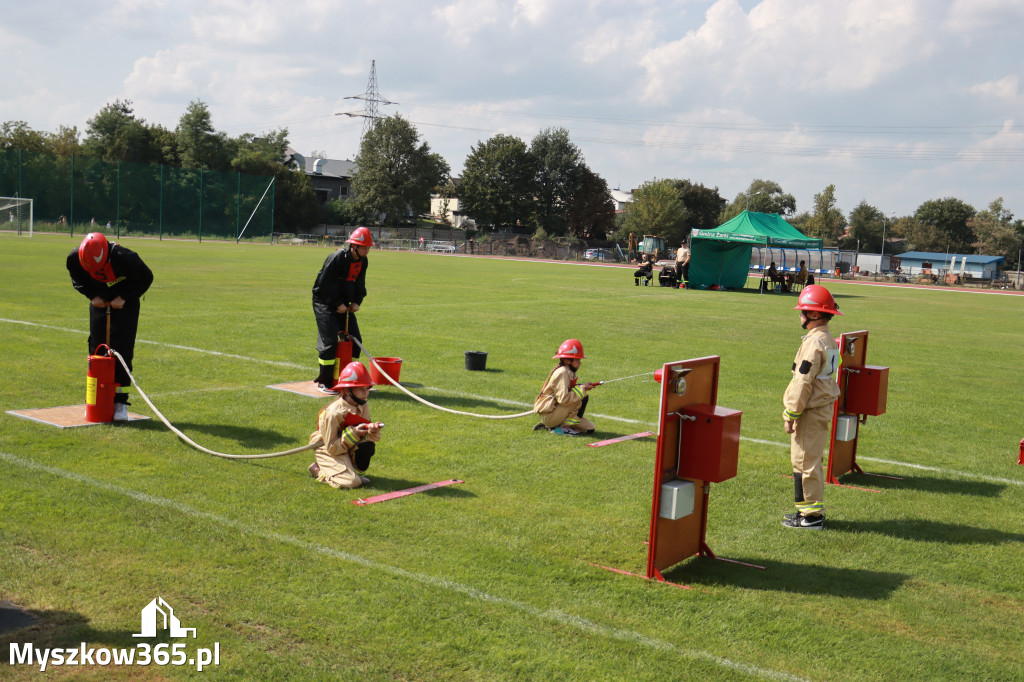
(645, 271)
(801, 276)
(683, 264)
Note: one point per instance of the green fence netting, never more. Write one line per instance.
(79, 194)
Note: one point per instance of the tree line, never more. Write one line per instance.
(543, 188)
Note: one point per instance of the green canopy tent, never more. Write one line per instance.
(722, 255)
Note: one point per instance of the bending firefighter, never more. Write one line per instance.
(114, 279)
(338, 292)
(347, 438)
(562, 401)
(808, 402)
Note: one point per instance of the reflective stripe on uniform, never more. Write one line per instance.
(349, 435)
(578, 390)
(326, 363)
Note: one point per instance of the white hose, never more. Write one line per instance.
(191, 442)
(427, 402)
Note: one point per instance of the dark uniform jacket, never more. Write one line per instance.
(132, 277)
(341, 280)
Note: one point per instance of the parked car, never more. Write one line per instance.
(441, 247)
(599, 255)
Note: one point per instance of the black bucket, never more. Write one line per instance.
(476, 360)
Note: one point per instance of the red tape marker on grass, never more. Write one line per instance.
(599, 443)
(403, 493)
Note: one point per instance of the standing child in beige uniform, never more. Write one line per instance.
(809, 404)
(562, 401)
(345, 433)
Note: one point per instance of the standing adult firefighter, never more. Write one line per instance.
(345, 434)
(808, 402)
(115, 278)
(338, 292)
(562, 401)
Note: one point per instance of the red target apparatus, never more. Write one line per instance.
(1020, 459)
(863, 390)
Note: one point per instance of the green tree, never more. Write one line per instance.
(591, 210)
(558, 177)
(916, 235)
(801, 221)
(499, 182)
(295, 204)
(997, 232)
(395, 172)
(947, 219)
(703, 204)
(658, 209)
(763, 196)
(18, 135)
(65, 141)
(866, 222)
(115, 134)
(198, 144)
(342, 211)
(827, 222)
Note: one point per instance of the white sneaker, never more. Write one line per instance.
(120, 412)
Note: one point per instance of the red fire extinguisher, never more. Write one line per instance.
(100, 387)
(343, 353)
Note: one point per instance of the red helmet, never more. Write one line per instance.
(360, 237)
(94, 257)
(816, 297)
(353, 375)
(571, 349)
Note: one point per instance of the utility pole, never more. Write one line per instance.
(372, 101)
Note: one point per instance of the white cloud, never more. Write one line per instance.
(786, 45)
(534, 11)
(1005, 88)
(973, 16)
(164, 73)
(465, 18)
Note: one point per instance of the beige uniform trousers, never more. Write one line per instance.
(565, 417)
(334, 455)
(807, 449)
(558, 402)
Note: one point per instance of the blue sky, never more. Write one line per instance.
(895, 102)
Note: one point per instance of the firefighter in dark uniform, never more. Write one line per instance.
(338, 292)
(115, 278)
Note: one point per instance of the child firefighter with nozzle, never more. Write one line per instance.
(345, 435)
(562, 400)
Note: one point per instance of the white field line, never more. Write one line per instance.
(948, 472)
(276, 363)
(212, 389)
(549, 615)
(932, 288)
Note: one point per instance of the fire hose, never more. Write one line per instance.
(313, 446)
(191, 442)
(409, 393)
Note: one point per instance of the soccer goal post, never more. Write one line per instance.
(16, 215)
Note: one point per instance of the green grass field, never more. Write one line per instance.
(492, 578)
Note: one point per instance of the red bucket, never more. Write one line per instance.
(390, 366)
